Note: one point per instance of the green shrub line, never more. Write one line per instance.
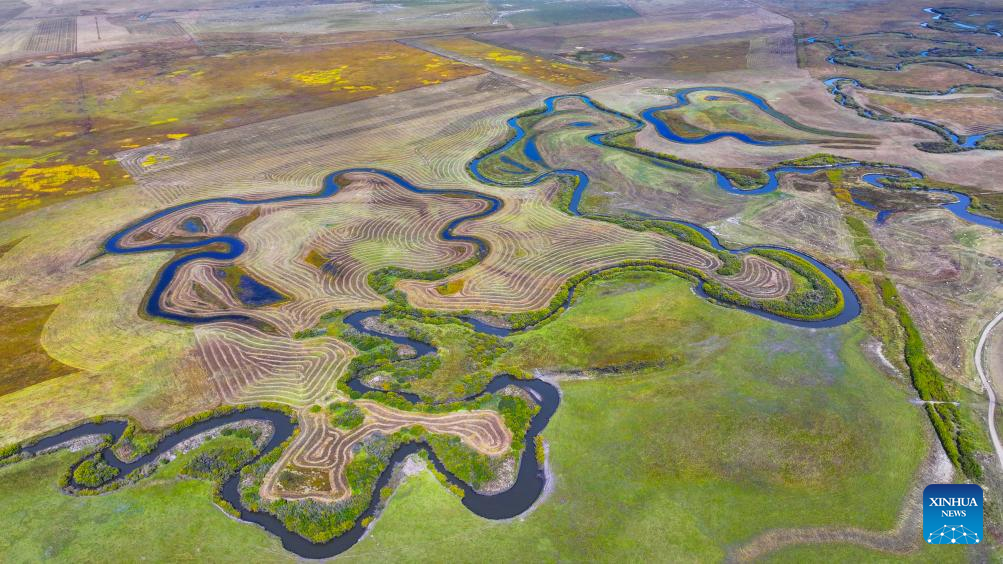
(817, 159)
(826, 299)
(871, 255)
(731, 264)
(142, 442)
(953, 429)
(746, 178)
(955, 434)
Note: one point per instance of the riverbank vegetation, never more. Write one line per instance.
(795, 445)
(318, 521)
(93, 472)
(461, 365)
(674, 363)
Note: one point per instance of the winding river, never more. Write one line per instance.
(234, 247)
(530, 480)
(650, 115)
(958, 208)
(528, 485)
(966, 142)
(939, 15)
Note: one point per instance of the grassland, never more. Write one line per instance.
(161, 518)
(710, 111)
(519, 62)
(778, 444)
(770, 432)
(60, 142)
(851, 553)
(23, 360)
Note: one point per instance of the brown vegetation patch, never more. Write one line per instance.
(717, 57)
(23, 361)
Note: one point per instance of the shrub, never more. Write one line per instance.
(93, 472)
(345, 415)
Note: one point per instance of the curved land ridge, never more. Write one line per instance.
(182, 305)
(211, 232)
(486, 434)
(323, 447)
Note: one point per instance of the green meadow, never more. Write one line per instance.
(687, 430)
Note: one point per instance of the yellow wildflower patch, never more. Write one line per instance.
(500, 57)
(53, 178)
(142, 105)
(519, 62)
(321, 77)
(153, 159)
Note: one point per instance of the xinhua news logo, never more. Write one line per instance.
(952, 514)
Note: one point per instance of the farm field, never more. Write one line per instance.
(589, 280)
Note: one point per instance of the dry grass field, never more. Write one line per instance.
(966, 113)
(519, 62)
(63, 143)
(686, 42)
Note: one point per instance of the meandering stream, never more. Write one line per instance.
(530, 480)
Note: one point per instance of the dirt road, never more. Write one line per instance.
(979, 353)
